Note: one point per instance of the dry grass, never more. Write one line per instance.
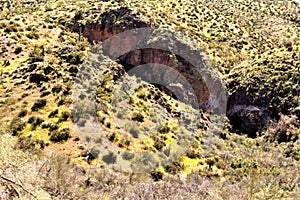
(239, 38)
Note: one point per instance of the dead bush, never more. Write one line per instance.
(286, 129)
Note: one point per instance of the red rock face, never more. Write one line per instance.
(111, 24)
(109, 27)
(158, 56)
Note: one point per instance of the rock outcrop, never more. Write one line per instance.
(123, 19)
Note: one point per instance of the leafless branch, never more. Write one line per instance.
(17, 184)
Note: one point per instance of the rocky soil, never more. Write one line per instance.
(71, 107)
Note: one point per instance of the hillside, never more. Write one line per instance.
(153, 99)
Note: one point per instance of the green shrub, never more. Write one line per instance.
(137, 117)
(40, 103)
(164, 129)
(134, 132)
(156, 175)
(17, 125)
(50, 125)
(35, 121)
(64, 116)
(59, 136)
(18, 50)
(8, 29)
(112, 137)
(78, 15)
(33, 35)
(36, 55)
(173, 168)
(61, 101)
(109, 158)
(45, 93)
(158, 143)
(191, 153)
(28, 144)
(127, 155)
(22, 113)
(53, 113)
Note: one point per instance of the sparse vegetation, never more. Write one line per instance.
(109, 158)
(59, 135)
(40, 103)
(35, 121)
(17, 125)
(47, 46)
(137, 117)
(285, 130)
(29, 145)
(134, 132)
(18, 50)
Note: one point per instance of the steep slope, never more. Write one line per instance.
(64, 77)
